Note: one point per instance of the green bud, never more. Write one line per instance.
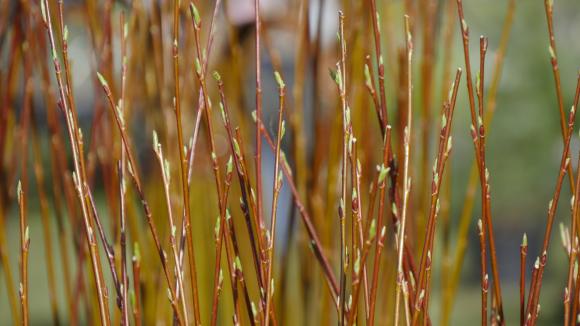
(229, 166)
(194, 13)
(197, 66)
(102, 80)
(43, 11)
(373, 229)
(279, 80)
(283, 129)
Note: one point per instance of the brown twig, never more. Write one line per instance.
(479, 146)
(444, 149)
(277, 185)
(75, 137)
(406, 178)
(379, 241)
(24, 245)
(166, 177)
(572, 251)
(183, 171)
(484, 276)
(523, 255)
(132, 168)
(136, 262)
(564, 164)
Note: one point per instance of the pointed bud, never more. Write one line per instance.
(230, 165)
(197, 67)
(552, 53)
(373, 229)
(367, 73)
(43, 11)
(194, 13)
(19, 191)
(283, 129)
(279, 80)
(102, 80)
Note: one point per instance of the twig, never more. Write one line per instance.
(166, 177)
(183, 171)
(564, 164)
(277, 185)
(340, 79)
(572, 251)
(122, 183)
(383, 115)
(136, 262)
(484, 276)
(75, 137)
(406, 178)
(468, 202)
(549, 6)
(444, 149)
(258, 157)
(523, 255)
(24, 244)
(132, 168)
(379, 241)
(314, 239)
(479, 146)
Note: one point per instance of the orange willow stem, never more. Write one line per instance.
(468, 202)
(484, 276)
(132, 167)
(479, 146)
(183, 171)
(136, 262)
(277, 185)
(444, 150)
(523, 255)
(564, 164)
(24, 244)
(406, 178)
(258, 157)
(80, 174)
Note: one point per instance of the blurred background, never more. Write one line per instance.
(524, 140)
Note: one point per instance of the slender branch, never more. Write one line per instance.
(444, 149)
(479, 146)
(564, 163)
(132, 168)
(75, 137)
(24, 245)
(136, 262)
(523, 255)
(277, 185)
(406, 178)
(183, 170)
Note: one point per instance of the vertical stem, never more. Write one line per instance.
(24, 244)
(345, 130)
(276, 191)
(75, 137)
(523, 255)
(183, 169)
(136, 261)
(479, 146)
(258, 157)
(484, 276)
(123, 188)
(406, 179)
